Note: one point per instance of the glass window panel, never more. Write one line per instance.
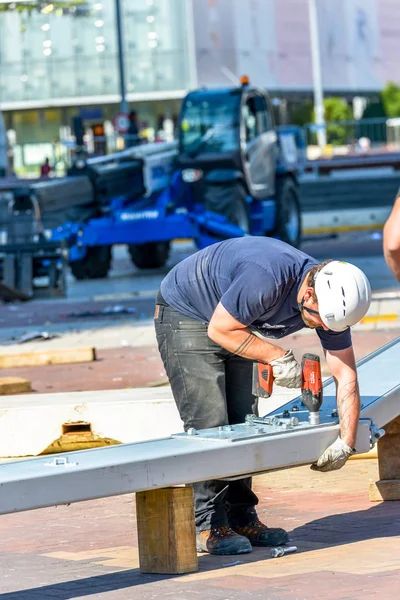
(54, 56)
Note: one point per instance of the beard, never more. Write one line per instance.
(310, 324)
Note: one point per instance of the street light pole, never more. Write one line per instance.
(319, 108)
(121, 66)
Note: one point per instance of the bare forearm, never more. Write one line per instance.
(342, 365)
(244, 343)
(392, 258)
(348, 402)
(391, 240)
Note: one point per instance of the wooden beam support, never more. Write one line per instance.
(388, 486)
(14, 385)
(166, 531)
(47, 357)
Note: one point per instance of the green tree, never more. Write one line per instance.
(337, 109)
(391, 99)
(375, 131)
(302, 114)
(374, 110)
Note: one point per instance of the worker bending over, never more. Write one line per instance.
(391, 239)
(222, 308)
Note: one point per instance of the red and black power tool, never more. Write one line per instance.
(262, 380)
(311, 389)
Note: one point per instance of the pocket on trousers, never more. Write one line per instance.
(190, 326)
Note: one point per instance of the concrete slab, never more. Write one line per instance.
(347, 548)
(32, 424)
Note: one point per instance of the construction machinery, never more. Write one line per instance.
(228, 174)
(30, 263)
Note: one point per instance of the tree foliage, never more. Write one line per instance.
(302, 114)
(337, 109)
(391, 99)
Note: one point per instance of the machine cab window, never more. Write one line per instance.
(256, 117)
(209, 123)
(249, 117)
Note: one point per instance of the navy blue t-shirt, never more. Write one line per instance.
(256, 279)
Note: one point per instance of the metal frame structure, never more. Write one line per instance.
(282, 439)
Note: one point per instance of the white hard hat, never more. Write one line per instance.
(343, 293)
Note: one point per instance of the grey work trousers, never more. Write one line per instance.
(211, 387)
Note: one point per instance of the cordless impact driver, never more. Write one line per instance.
(311, 389)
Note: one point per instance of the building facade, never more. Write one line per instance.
(59, 62)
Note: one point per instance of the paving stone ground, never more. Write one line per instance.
(123, 367)
(348, 548)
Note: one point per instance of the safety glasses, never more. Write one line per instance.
(309, 310)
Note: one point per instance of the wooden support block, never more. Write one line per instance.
(389, 451)
(14, 385)
(388, 487)
(385, 489)
(166, 531)
(47, 357)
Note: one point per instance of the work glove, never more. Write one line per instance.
(334, 457)
(286, 371)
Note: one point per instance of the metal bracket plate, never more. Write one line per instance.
(249, 430)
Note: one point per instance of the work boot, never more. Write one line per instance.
(260, 535)
(222, 540)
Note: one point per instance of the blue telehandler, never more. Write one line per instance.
(229, 173)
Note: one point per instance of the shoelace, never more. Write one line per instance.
(222, 531)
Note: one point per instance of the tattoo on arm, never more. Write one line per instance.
(346, 401)
(244, 346)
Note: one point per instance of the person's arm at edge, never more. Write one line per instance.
(232, 335)
(342, 366)
(391, 240)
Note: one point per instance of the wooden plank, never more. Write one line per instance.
(48, 357)
(389, 451)
(384, 490)
(393, 427)
(14, 385)
(388, 487)
(166, 531)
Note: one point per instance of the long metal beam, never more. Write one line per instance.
(222, 453)
(379, 381)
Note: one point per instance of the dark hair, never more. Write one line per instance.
(313, 273)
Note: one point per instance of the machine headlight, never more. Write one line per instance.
(192, 175)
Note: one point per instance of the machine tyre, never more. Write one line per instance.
(240, 211)
(152, 255)
(229, 200)
(288, 212)
(94, 265)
